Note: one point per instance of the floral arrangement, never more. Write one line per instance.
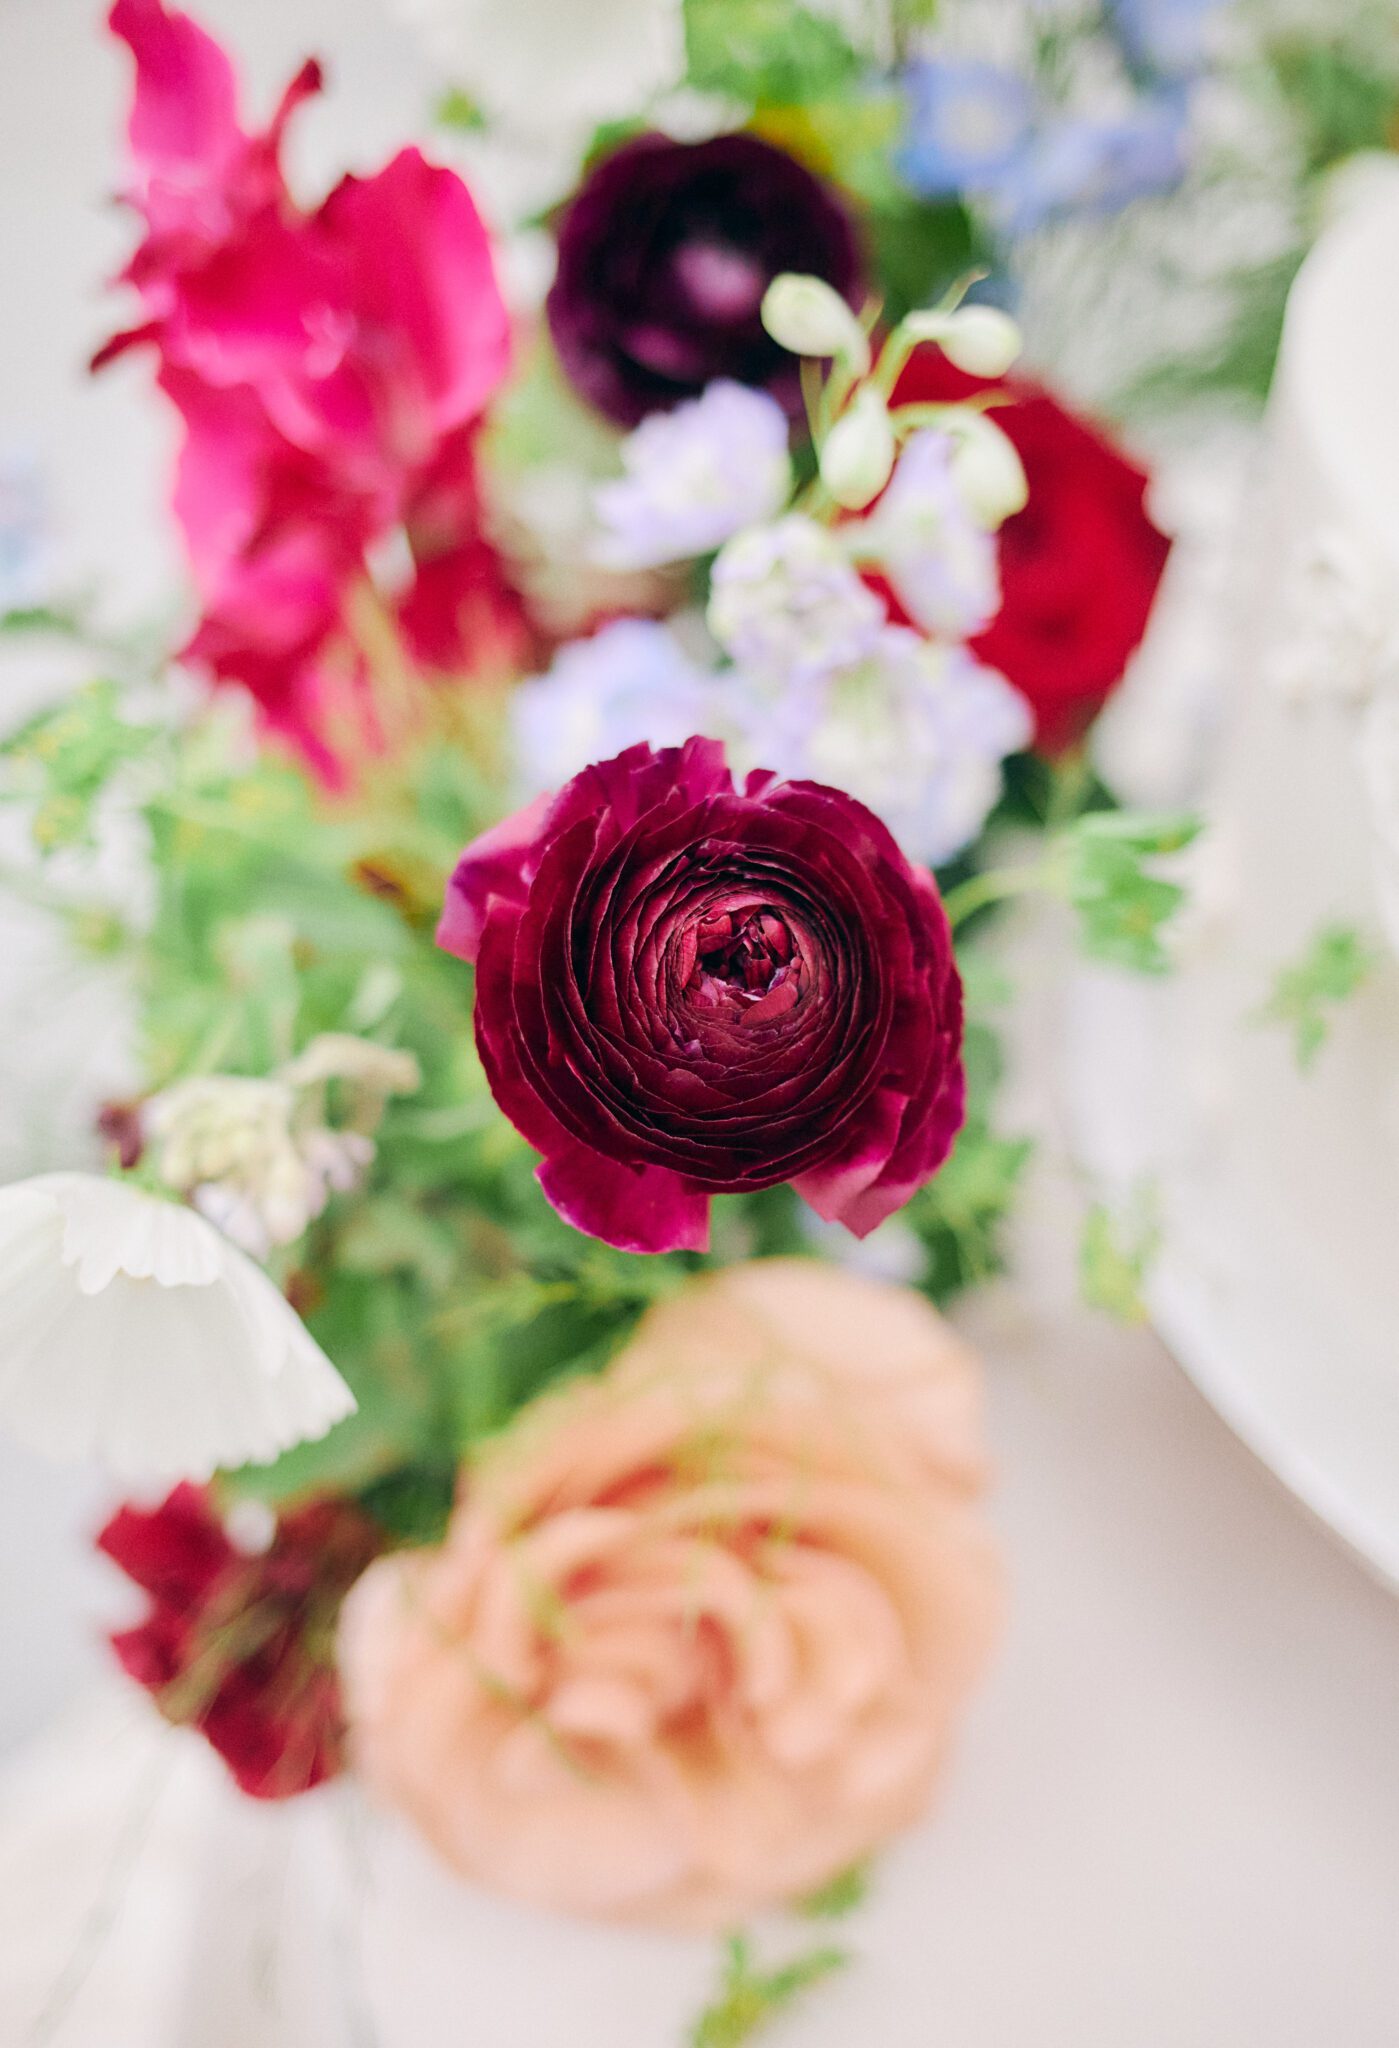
(566, 958)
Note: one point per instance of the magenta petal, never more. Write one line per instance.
(635, 1208)
(185, 114)
(423, 272)
(833, 1187)
(494, 867)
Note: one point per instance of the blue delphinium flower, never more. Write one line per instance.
(1095, 166)
(977, 129)
(1169, 37)
(969, 125)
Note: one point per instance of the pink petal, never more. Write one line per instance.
(185, 113)
(494, 867)
(635, 1208)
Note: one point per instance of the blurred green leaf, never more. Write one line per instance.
(1335, 966)
(1115, 1254)
(751, 1998)
(772, 51)
(1122, 905)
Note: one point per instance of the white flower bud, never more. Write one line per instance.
(988, 469)
(858, 455)
(808, 317)
(981, 340)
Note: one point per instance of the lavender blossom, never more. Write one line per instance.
(917, 732)
(630, 681)
(940, 561)
(787, 606)
(694, 477)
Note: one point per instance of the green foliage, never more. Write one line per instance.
(921, 247)
(1333, 968)
(1122, 905)
(962, 1213)
(60, 762)
(457, 110)
(766, 51)
(1341, 94)
(1236, 361)
(844, 1895)
(1115, 1254)
(750, 1998)
(38, 618)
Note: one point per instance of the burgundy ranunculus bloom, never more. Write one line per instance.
(686, 989)
(664, 257)
(239, 1645)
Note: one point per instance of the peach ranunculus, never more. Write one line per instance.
(701, 1627)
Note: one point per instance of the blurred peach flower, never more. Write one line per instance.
(700, 1629)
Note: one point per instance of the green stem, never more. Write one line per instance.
(995, 885)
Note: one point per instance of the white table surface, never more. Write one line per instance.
(1174, 1820)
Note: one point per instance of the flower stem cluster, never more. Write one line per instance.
(856, 428)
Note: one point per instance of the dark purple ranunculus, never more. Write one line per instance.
(664, 257)
(686, 989)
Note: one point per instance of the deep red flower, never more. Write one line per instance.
(664, 256)
(237, 1645)
(686, 989)
(1080, 565)
(329, 368)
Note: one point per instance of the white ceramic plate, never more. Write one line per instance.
(1316, 1401)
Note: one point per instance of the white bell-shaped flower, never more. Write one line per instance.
(808, 317)
(858, 457)
(133, 1333)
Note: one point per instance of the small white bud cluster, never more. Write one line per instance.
(261, 1158)
(858, 438)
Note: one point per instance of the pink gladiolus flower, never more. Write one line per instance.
(329, 368)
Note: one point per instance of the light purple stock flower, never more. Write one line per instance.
(630, 681)
(917, 733)
(941, 563)
(787, 606)
(694, 477)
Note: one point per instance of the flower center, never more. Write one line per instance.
(748, 958)
(721, 282)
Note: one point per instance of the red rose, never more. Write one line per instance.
(238, 1645)
(686, 989)
(1079, 566)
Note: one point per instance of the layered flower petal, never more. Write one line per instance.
(701, 1628)
(132, 1332)
(686, 988)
